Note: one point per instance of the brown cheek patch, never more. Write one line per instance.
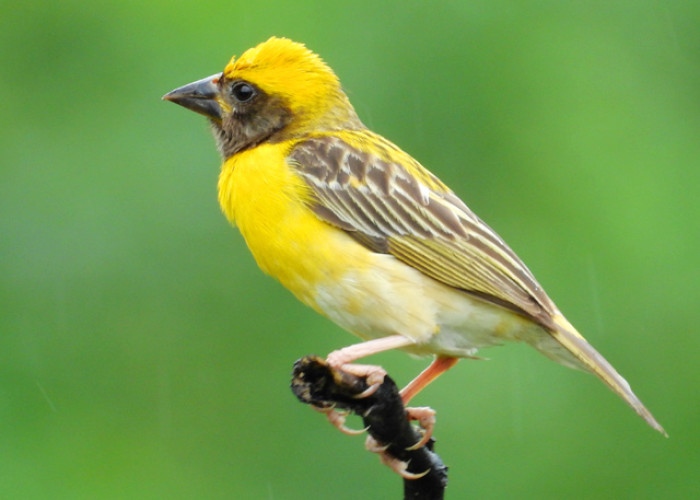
(249, 125)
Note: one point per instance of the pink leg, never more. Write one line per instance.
(425, 415)
(343, 358)
(356, 351)
(439, 366)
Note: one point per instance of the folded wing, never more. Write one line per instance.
(388, 202)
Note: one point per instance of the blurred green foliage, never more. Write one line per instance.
(142, 353)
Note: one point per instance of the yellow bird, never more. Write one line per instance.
(361, 232)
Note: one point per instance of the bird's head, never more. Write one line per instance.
(273, 92)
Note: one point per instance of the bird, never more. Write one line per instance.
(361, 232)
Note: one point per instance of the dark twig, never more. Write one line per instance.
(315, 382)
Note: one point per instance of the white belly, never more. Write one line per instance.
(389, 297)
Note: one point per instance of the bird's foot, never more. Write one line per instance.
(425, 416)
(373, 375)
(398, 466)
(337, 420)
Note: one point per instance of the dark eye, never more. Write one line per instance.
(243, 92)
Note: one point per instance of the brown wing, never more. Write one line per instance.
(391, 204)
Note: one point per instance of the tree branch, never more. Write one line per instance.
(315, 382)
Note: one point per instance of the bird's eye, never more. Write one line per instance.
(243, 92)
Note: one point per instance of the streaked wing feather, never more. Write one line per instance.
(388, 202)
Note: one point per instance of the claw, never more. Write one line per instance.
(368, 392)
(373, 445)
(401, 468)
(373, 375)
(427, 434)
(323, 409)
(337, 420)
(426, 419)
(352, 432)
(398, 466)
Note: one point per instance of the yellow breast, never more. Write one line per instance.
(369, 294)
(260, 194)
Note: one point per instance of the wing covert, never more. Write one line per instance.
(388, 202)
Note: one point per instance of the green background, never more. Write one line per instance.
(142, 353)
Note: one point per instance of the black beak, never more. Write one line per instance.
(199, 96)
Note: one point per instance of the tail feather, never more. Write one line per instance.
(568, 337)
